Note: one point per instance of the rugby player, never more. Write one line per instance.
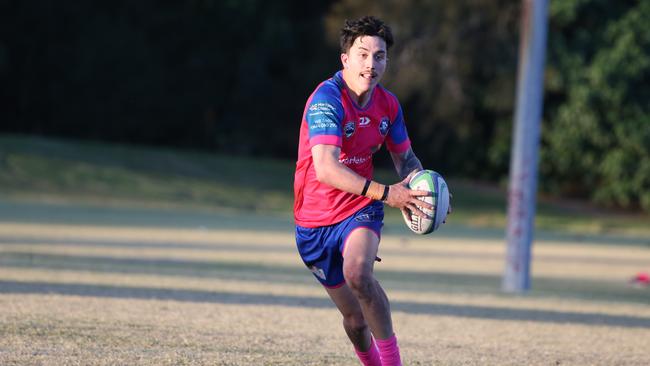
(338, 208)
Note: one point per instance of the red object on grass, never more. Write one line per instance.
(642, 278)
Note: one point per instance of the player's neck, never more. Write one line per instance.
(359, 97)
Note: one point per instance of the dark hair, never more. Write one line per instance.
(364, 26)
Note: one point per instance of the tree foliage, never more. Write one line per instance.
(207, 74)
(596, 137)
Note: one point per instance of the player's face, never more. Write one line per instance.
(364, 64)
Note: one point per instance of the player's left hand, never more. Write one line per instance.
(400, 196)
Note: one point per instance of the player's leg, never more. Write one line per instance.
(353, 322)
(359, 256)
(321, 253)
(355, 325)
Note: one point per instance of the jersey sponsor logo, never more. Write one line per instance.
(321, 109)
(348, 129)
(354, 160)
(322, 124)
(364, 121)
(321, 113)
(321, 106)
(383, 126)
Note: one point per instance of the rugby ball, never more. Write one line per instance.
(428, 180)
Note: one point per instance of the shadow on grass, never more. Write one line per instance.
(161, 267)
(105, 215)
(464, 311)
(289, 247)
(256, 269)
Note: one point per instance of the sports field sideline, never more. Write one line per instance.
(93, 285)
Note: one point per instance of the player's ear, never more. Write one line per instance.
(344, 60)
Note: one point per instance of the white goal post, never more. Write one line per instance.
(522, 186)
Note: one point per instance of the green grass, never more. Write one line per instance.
(33, 168)
(84, 171)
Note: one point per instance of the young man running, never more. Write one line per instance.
(338, 208)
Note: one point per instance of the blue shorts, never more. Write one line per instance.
(321, 248)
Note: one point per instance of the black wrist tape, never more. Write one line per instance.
(365, 187)
(385, 195)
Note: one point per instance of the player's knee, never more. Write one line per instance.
(360, 281)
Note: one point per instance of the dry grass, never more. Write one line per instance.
(76, 294)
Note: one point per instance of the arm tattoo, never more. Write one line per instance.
(406, 162)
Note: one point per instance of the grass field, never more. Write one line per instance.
(54, 170)
(113, 255)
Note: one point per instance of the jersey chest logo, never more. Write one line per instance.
(383, 126)
(348, 129)
(364, 121)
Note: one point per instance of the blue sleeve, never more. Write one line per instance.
(398, 140)
(324, 115)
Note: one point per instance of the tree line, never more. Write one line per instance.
(233, 77)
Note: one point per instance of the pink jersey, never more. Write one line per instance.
(331, 117)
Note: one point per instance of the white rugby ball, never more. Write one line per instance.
(428, 180)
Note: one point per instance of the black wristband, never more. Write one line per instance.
(365, 188)
(385, 195)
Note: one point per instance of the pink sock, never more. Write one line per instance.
(371, 356)
(389, 352)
